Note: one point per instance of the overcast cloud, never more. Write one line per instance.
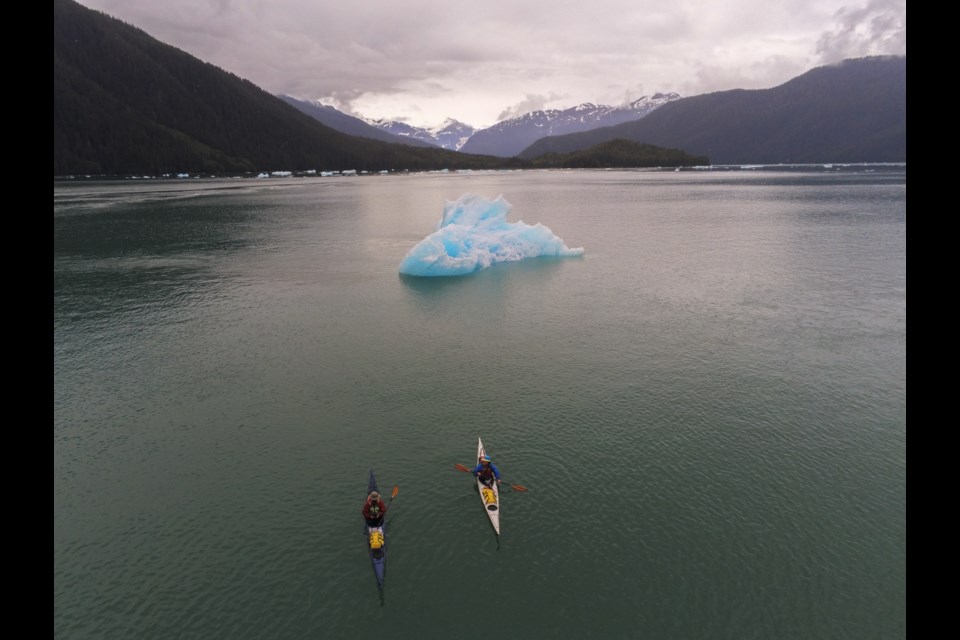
(422, 61)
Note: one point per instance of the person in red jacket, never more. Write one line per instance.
(374, 509)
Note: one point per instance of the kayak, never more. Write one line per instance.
(489, 496)
(376, 540)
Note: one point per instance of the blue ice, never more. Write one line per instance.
(474, 234)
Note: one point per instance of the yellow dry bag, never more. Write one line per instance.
(376, 539)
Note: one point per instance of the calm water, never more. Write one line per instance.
(708, 408)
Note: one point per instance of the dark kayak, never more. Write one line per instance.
(376, 540)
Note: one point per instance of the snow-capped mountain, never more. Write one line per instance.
(505, 139)
(351, 125)
(510, 137)
(451, 134)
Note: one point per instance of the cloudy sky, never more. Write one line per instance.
(421, 61)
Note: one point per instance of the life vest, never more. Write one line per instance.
(486, 473)
(374, 509)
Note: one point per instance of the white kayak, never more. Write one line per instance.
(490, 496)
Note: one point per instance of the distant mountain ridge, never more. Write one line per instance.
(510, 137)
(345, 123)
(451, 134)
(854, 111)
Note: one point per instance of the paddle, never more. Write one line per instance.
(393, 494)
(515, 487)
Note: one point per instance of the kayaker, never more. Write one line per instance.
(374, 508)
(487, 472)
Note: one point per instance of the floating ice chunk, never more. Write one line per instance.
(474, 234)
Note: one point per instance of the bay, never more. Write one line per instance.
(708, 408)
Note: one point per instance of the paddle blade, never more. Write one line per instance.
(396, 490)
(460, 467)
(518, 487)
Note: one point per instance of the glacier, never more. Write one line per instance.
(474, 234)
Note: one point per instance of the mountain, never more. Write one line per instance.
(855, 111)
(452, 134)
(510, 137)
(348, 124)
(125, 103)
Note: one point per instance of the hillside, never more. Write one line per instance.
(623, 154)
(852, 112)
(126, 103)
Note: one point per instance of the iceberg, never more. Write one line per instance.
(474, 234)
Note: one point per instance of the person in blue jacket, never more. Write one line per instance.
(487, 472)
